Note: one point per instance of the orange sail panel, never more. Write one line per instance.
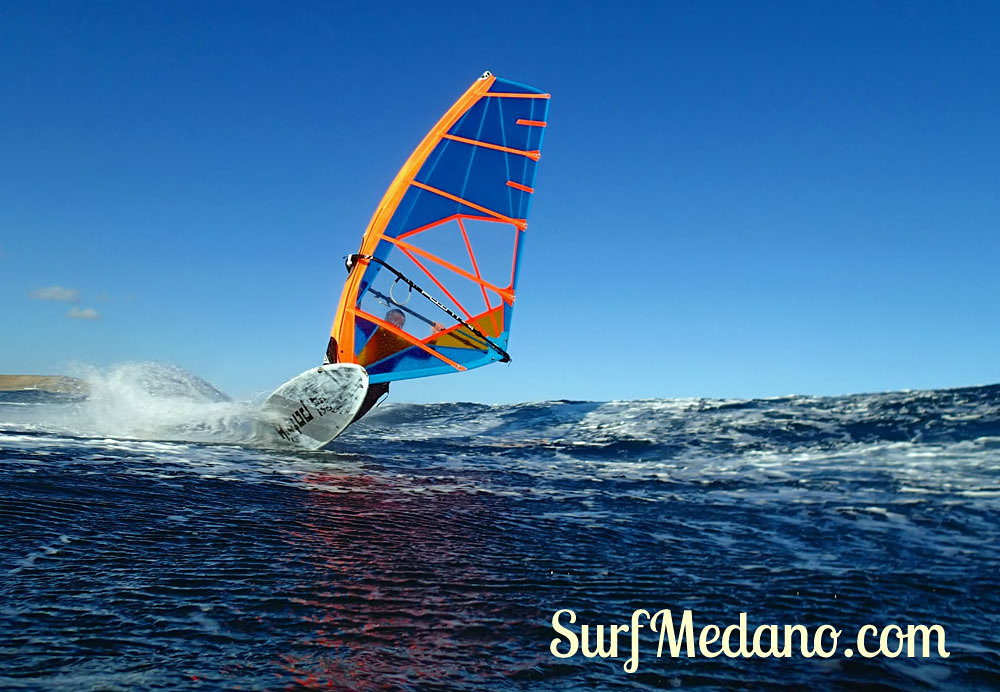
(432, 287)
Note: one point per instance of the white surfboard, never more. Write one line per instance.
(311, 410)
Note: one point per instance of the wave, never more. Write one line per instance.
(147, 401)
(713, 426)
(162, 402)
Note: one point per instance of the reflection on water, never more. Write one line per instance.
(424, 568)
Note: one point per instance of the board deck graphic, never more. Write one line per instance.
(312, 409)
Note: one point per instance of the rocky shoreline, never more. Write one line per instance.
(44, 383)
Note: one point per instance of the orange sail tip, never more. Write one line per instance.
(519, 186)
(532, 123)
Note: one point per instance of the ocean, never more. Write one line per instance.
(150, 540)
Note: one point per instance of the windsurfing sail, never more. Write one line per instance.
(432, 288)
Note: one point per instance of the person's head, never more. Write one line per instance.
(396, 318)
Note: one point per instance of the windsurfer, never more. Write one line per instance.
(396, 318)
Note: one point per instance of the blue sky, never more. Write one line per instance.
(734, 199)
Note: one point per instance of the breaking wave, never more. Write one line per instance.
(144, 401)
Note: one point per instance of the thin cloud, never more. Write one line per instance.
(65, 295)
(85, 314)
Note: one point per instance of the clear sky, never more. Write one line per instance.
(734, 199)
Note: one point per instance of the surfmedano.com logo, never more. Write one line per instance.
(735, 640)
